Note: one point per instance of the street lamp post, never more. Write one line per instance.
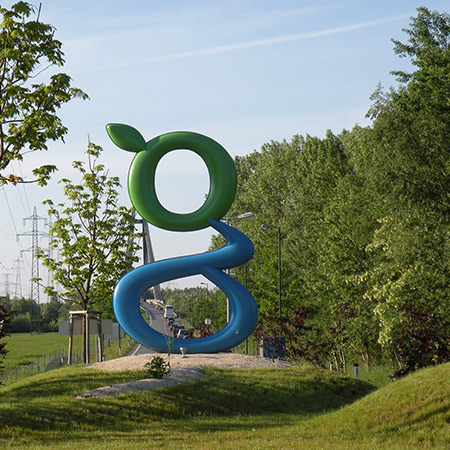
(207, 298)
(266, 227)
(217, 314)
(227, 220)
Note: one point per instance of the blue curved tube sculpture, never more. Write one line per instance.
(237, 251)
(243, 309)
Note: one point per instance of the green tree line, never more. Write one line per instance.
(27, 316)
(364, 220)
(194, 305)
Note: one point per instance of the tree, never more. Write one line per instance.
(266, 180)
(411, 132)
(28, 108)
(365, 220)
(94, 235)
(25, 305)
(4, 319)
(51, 312)
(409, 154)
(309, 187)
(24, 311)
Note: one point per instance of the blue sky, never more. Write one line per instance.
(241, 72)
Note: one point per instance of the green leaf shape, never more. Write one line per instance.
(126, 137)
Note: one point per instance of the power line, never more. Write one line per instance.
(50, 255)
(10, 212)
(6, 232)
(7, 283)
(15, 229)
(26, 208)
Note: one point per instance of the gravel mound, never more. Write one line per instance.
(182, 370)
(197, 360)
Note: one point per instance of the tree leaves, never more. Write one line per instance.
(365, 216)
(94, 235)
(28, 111)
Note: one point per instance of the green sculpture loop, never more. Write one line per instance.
(141, 177)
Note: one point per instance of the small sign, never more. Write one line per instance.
(274, 347)
(64, 327)
(116, 333)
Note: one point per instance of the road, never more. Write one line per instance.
(157, 322)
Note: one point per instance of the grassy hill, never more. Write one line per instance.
(413, 412)
(292, 408)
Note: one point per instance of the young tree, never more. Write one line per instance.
(94, 235)
(28, 108)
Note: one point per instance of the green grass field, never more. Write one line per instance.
(295, 408)
(24, 349)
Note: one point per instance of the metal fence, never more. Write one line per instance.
(51, 361)
(42, 363)
(248, 347)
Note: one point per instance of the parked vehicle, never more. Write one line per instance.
(182, 333)
(168, 311)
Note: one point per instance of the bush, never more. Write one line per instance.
(19, 324)
(422, 341)
(49, 327)
(4, 319)
(157, 368)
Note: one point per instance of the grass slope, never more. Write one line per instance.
(42, 409)
(413, 412)
(230, 409)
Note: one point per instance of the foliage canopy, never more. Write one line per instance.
(28, 102)
(365, 222)
(94, 236)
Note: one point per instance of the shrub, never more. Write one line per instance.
(4, 319)
(422, 341)
(158, 367)
(19, 323)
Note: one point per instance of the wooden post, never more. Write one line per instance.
(100, 337)
(120, 348)
(87, 337)
(69, 356)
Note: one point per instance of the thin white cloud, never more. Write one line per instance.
(244, 45)
(275, 40)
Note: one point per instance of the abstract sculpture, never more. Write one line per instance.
(238, 249)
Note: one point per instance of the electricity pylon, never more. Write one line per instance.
(35, 234)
